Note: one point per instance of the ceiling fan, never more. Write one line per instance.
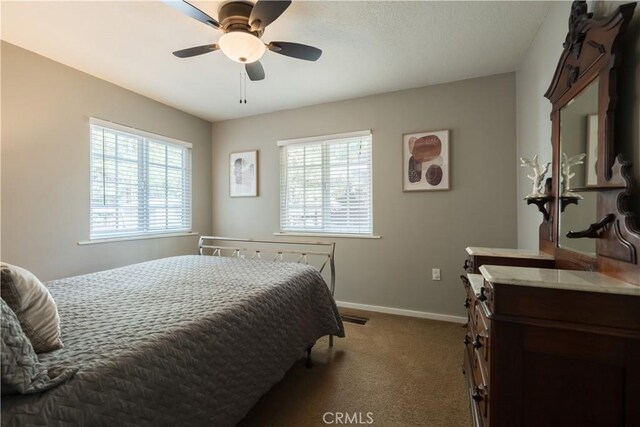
(243, 23)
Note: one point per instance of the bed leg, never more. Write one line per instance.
(330, 340)
(309, 363)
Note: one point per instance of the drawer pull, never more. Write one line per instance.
(482, 296)
(467, 339)
(466, 265)
(466, 303)
(476, 343)
(478, 393)
(464, 279)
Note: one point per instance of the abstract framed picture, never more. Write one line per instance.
(243, 174)
(425, 161)
(592, 151)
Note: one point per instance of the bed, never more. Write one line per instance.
(188, 340)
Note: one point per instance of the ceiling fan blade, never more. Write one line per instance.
(264, 12)
(195, 51)
(254, 71)
(192, 11)
(295, 50)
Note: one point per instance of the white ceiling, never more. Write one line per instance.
(369, 47)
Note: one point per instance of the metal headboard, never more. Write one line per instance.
(239, 251)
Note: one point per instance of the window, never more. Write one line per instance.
(325, 184)
(140, 182)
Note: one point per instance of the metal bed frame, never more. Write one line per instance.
(240, 250)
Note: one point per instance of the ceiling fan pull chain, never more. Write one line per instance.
(243, 87)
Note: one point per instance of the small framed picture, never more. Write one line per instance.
(425, 161)
(243, 174)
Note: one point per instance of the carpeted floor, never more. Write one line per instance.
(404, 371)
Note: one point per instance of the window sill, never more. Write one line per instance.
(347, 236)
(142, 237)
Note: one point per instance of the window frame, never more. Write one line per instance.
(144, 204)
(327, 139)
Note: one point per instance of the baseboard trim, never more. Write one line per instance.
(403, 312)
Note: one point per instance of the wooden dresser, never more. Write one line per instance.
(561, 348)
(549, 347)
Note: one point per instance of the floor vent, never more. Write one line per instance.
(354, 319)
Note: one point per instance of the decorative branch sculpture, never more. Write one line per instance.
(538, 175)
(565, 170)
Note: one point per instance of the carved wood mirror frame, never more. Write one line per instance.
(591, 52)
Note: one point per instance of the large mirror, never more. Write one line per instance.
(578, 156)
(591, 183)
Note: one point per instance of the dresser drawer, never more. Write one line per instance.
(468, 265)
(487, 294)
(477, 418)
(479, 393)
(477, 345)
(482, 333)
(468, 292)
(469, 298)
(481, 396)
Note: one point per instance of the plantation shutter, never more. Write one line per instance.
(325, 184)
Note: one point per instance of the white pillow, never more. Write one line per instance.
(33, 305)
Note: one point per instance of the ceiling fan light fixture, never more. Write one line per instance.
(242, 47)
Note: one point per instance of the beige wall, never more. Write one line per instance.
(533, 76)
(420, 230)
(45, 166)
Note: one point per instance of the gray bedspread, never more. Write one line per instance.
(190, 340)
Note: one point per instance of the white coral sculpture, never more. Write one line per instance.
(538, 175)
(565, 170)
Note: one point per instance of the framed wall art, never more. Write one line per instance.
(243, 174)
(592, 151)
(425, 161)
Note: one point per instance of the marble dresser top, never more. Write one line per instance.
(508, 253)
(557, 279)
(476, 281)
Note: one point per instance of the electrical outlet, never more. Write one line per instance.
(435, 274)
